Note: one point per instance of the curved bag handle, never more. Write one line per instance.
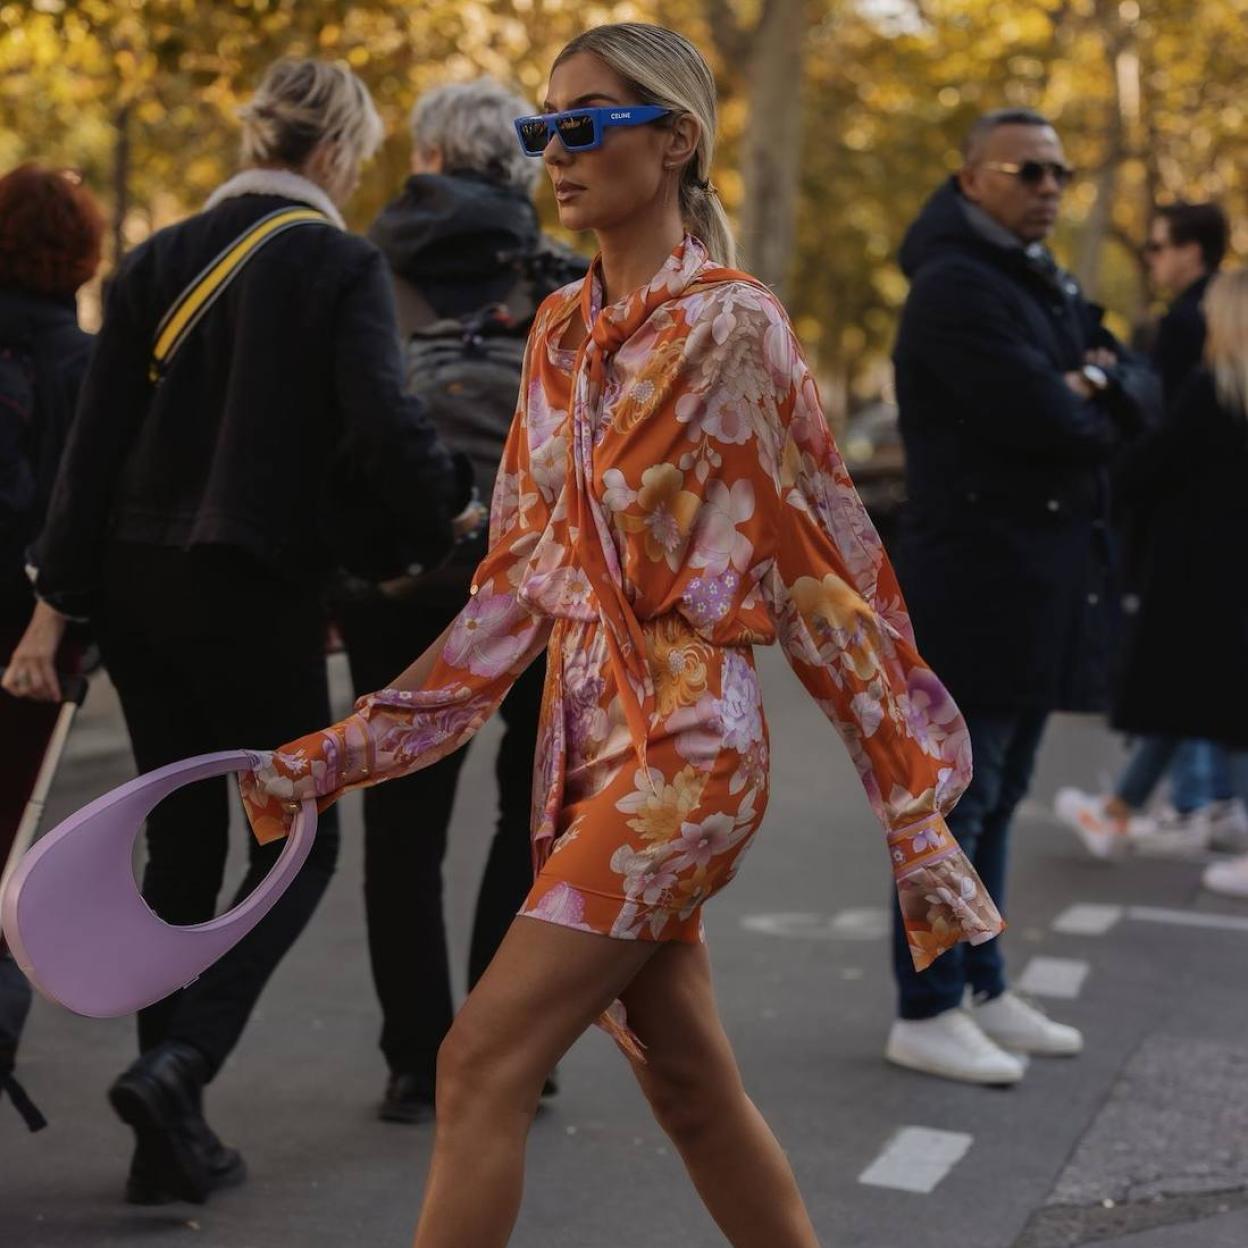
(80, 929)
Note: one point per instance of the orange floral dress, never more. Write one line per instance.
(670, 497)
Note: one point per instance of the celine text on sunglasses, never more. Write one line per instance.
(1031, 172)
(581, 129)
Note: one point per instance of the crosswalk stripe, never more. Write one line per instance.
(916, 1159)
(1188, 918)
(1053, 977)
(1085, 919)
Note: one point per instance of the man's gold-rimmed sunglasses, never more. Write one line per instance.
(1032, 172)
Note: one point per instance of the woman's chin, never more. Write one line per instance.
(574, 217)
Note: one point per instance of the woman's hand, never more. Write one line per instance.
(31, 671)
(274, 790)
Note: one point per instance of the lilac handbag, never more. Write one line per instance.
(77, 924)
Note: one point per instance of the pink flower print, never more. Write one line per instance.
(717, 542)
(783, 358)
(929, 838)
(480, 640)
(648, 874)
(707, 600)
(617, 493)
(562, 905)
(740, 704)
(699, 843)
(928, 711)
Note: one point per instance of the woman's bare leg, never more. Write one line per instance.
(545, 986)
(691, 1080)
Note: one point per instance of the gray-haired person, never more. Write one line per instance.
(470, 266)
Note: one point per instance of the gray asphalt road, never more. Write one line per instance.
(1140, 1143)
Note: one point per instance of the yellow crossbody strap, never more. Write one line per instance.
(199, 296)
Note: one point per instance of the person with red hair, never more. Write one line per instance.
(50, 231)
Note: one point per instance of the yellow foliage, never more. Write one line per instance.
(889, 89)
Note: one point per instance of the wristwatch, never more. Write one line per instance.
(1096, 377)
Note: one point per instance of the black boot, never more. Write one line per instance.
(226, 1168)
(408, 1098)
(177, 1156)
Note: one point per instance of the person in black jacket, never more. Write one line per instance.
(1013, 399)
(1186, 670)
(50, 231)
(1186, 246)
(182, 521)
(462, 236)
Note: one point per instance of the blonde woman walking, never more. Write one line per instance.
(669, 497)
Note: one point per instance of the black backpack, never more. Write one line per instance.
(467, 370)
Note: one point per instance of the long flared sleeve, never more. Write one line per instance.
(842, 623)
(396, 731)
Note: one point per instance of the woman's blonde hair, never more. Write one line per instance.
(664, 68)
(301, 103)
(1226, 346)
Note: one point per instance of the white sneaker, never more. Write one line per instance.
(1228, 826)
(1018, 1025)
(952, 1046)
(1102, 836)
(1228, 878)
(1171, 834)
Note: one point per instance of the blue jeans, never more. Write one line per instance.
(1198, 772)
(1200, 775)
(1003, 745)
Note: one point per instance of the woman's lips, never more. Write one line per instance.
(566, 191)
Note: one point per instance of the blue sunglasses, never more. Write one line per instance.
(581, 129)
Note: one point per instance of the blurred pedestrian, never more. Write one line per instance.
(1186, 676)
(50, 231)
(1013, 398)
(670, 496)
(470, 267)
(182, 521)
(1185, 248)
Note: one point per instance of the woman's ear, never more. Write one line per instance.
(682, 140)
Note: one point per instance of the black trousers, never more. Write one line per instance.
(405, 828)
(211, 651)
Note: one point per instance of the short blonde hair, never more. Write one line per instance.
(301, 103)
(1226, 346)
(471, 124)
(664, 68)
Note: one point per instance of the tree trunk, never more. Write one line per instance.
(121, 182)
(772, 149)
(1121, 61)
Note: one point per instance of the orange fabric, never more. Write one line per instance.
(669, 497)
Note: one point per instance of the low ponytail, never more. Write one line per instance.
(704, 217)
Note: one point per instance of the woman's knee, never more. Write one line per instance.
(688, 1098)
(480, 1071)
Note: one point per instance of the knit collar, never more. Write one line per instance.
(283, 183)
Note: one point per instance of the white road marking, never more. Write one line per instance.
(1085, 919)
(1188, 918)
(1053, 977)
(916, 1159)
(864, 923)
